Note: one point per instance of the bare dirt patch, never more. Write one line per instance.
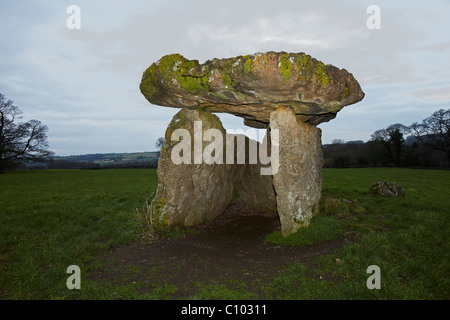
(230, 247)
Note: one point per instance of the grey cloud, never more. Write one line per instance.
(442, 93)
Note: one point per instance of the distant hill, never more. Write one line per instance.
(113, 158)
(102, 160)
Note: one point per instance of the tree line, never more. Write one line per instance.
(425, 144)
(87, 165)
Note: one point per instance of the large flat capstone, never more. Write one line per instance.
(252, 86)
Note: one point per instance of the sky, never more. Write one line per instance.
(84, 83)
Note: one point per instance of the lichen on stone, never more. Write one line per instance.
(285, 66)
(304, 67)
(175, 68)
(228, 81)
(157, 213)
(252, 86)
(149, 81)
(248, 65)
(345, 92)
(321, 75)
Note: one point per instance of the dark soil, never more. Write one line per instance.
(230, 247)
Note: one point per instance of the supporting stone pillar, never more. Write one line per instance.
(191, 193)
(298, 182)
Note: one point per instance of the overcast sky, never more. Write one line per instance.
(84, 84)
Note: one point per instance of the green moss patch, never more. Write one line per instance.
(305, 67)
(321, 75)
(149, 83)
(185, 72)
(285, 66)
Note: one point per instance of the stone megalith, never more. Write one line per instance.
(298, 182)
(287, 93)
(189, 193)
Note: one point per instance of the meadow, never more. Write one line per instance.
(51, 219)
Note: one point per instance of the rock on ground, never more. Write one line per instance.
(387, 189)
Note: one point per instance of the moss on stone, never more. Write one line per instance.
(228, 64)
(345, 92)
(157, 217)
(285, 66)
(307, 68)
(226, 72)
(194, 85)
(228, 81)
(248, 65)
(166, 67)
(149, 82)
(185, 72)
(304, 67)
(320, 74)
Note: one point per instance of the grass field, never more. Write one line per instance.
(52, 219)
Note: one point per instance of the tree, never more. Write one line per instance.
(160, 143)
(434, 131)
(392, 139)
(337, 141)
(25, 141)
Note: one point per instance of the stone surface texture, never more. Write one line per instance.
(253, 189)
(298, 182)
(252, 86)
(187, 194)
(387, 189)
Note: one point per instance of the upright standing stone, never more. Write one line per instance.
(190, 194)
(298, 182)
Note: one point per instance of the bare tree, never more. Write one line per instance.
(160, 143)
(25, 141)
(337, 141)
(434, 131)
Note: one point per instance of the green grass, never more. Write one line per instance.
(407, 237)
(323, 228)
(52, 219)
